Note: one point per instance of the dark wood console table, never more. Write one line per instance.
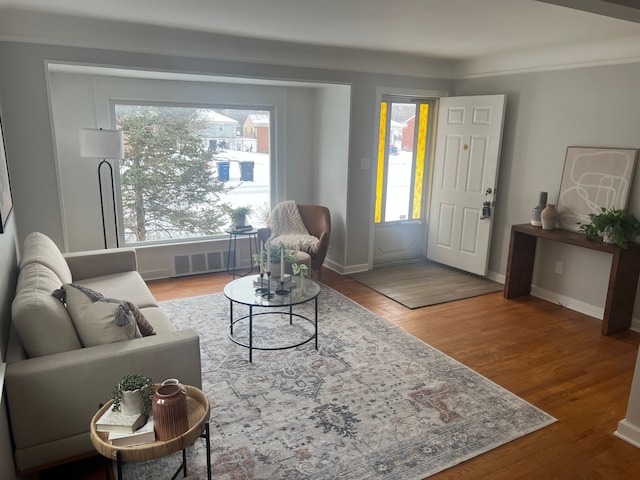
(623, 278)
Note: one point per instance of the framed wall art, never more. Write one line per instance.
(6, 202)
(593, 178)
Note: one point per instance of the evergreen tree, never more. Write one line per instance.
(168, 188)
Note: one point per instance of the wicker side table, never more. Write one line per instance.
(198, 411)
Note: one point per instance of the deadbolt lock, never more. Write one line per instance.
(465, 147)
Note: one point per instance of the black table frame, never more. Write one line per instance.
(289, 312)
(233, 238)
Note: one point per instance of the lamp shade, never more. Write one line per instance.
(99, 143)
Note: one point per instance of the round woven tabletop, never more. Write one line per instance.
(198, 412)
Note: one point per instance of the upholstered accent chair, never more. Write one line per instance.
(311, 235)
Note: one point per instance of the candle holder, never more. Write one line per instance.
(282, 290)
(261, 289)
(267, 291)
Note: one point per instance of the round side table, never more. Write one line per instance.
(198, 412)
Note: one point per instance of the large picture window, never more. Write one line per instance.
(185, 167)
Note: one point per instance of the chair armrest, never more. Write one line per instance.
(54, 396)
(263, 234)
(96, 263)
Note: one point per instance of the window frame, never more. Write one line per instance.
(380, 194)
(196, 105)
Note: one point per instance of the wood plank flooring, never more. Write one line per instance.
(549, 355)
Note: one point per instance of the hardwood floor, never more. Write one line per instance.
(548, 355)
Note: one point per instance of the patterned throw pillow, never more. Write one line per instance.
(98, 320)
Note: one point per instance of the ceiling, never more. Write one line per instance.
(452, 29)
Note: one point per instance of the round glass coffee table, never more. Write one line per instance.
(274, 300)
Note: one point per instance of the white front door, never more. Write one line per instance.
(468, 139)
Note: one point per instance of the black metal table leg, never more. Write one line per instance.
(250, 333)
(208, 442)
(119, 464)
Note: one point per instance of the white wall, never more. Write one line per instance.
(546, 113)
(30, 130)
(330, 172)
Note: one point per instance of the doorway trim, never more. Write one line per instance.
(380, 92)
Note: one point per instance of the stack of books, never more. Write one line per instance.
(126, 430)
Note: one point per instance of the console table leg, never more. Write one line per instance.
(522, 252)
(621, 294)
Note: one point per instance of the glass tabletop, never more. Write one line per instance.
(247, 290)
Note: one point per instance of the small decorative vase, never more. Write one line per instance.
(170, 415)
(131, 402)
(537, 210)
(606, 236)
(548, 217)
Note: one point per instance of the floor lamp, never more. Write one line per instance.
(103, 144)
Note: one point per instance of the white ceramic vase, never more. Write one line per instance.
(131, 402)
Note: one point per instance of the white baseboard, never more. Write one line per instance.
(628, 432)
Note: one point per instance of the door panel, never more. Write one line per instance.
(465, 175)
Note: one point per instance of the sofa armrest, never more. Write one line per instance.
(55, 396)
(97, 263)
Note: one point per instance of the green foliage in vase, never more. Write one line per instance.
(619, 225)
(301, 269)
(239, 215)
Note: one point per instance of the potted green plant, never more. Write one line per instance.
(239, 216)
(614, 225)
(274, 255)
(133, 395)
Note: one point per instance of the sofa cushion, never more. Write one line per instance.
(42, 322)
(38, 248)
(127, 286)
(98, 320)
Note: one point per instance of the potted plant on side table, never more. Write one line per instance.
(616, 226)
(133, 395)
(239, 216)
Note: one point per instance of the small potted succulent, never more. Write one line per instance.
(133, 395)
(616, 226)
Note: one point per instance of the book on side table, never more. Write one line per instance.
(144, 434)
(118, 422)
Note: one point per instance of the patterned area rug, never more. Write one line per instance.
(372, 402)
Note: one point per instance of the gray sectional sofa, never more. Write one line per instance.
(63, 360)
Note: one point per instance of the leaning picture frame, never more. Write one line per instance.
(6, 201)
(593, 178)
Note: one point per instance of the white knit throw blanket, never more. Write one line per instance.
(288, 228)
